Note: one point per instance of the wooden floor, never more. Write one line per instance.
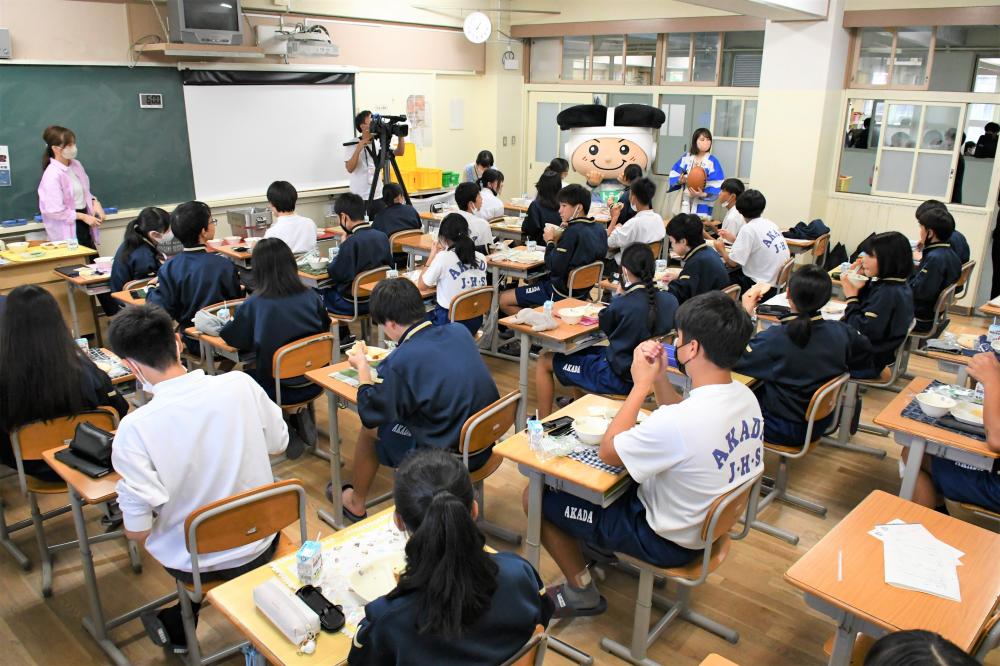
(747, 592)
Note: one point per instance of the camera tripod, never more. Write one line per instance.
(384, 158)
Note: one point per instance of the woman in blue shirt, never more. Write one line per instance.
(700, 154)
(455, 604)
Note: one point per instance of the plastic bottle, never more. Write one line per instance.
(685, 205)
(980, 394)
(547, 307)
(993, 333)
(535, 435)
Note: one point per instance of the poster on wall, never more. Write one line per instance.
(419, 117)
(4, 167)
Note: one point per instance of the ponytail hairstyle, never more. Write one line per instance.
(639, 261)
(54, 135)
(389, 193)
(455, 230)
(137, 231)
(809, 289)
(559, 164)
(451, 576)
(547, 188)
(491, 176)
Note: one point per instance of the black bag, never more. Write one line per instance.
(864, 246)
(835, 257)
(89, 451)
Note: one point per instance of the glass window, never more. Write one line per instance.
(966, 59)
(940, 128)
(545, 54)
(706, 56)
(987, 77)
(909, 65)
(749, 118)
(857, 159)
(576, 58)
(975, 174)
(901, 126)
(742, 53)
(678, 61)
(873, 58)
(894, 171)
(640, 59)
(727, 152)
(614, 99)
(685, 114)
(746, 157)
(546, 130)
(733, 129)
(727, 117)
(608, 55)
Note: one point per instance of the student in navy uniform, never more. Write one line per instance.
(957, 241)
(882, 309)
(138, 256)
(939, 265)
(581, 242)
(544, 209)
(640, 311)
(455, 604)
(363, 249)
(703, 269)
(622, 212)
(428, 387)
(194, 278)
(281, 310)
(796, 358)
(395, 217)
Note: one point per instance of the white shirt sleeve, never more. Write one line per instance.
(742, 247)
(651, 447)
(621, 236)
(140, 490)
(349, 153)
(433, 272)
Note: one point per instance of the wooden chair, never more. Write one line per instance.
(139, 284)
(989, 636)
(471, 304)
(364, 277)
(298, 357)
(733, 291)
(784, 273)
(657, 248)
(974, 514)
(584, 277)
(479, 432)
(945, 299)
(824, 402)
(232, 522)
(396, 243)
(737, 505)
(533, 652)
(6, 529)
(28, 442)
(820, 249)
(963, 278)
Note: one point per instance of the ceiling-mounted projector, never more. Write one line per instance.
(314, 41)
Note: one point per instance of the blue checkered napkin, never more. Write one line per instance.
(588, 456)
(913, 411)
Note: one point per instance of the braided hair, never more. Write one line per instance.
(639, 261)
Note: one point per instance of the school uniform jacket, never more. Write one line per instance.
(364, 249)
(397, 217)
(939, 268)
(387, 636)
(536, 218)
(582, 242)
(882, 312)
(142, 262)
(432, 382)
(264, 325)
(960, 246)
(790, 374)
(192, 280)
(624, 322)
(703, 271)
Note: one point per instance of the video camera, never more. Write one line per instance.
(386, 126)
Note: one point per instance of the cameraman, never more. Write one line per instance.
(361, 160)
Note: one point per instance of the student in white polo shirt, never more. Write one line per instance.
(453, 266)
(200, 439)
(733, 222)
(645, 226)
(759, 250)
(682, 457)
(298, 232)
(360, 160)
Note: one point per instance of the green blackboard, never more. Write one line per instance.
(134, 157)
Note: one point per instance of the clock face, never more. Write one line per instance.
(477, 27)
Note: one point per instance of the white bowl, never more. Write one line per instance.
(570, 317)
(251, 241)
(21, 245)
(232, 240)
(590, 429)
(215, 242)
(104, 263)
(318, 264)
(857, 279)
(935, 405)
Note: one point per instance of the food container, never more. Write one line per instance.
(215, 242)
(103, 264)
(249, 222)
(590, 429)
(935, 405)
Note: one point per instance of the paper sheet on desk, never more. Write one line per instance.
(917, 560)
(831, 311)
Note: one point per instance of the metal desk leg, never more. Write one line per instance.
(336, 519)
(843, 643)
(533, 536)
(962, 375)
(97, 319)
(94, 624)
(913, 460)
(208, 353)
(522, 382)
(74, 317)
(495, 342)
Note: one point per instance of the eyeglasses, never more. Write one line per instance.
(213, 221)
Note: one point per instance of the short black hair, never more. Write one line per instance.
(282, 195)
(360, 118)
(389, 193)
(145, 334)
(751, 204)
(465, 194)
(484, 158)
(397, 300)
(939, 221)
(718, 323)
(687, 227)
(733, 186)
(632, 171)
(188, 221)
(894, 255)
(351, 205)
(991, 127)
(558, 164)
(575, 195)
(643, 189)
(929, 205)
(916, 647)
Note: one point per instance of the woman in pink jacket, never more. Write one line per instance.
(68, 208)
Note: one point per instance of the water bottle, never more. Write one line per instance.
(332, 253)
(980, 393)
(535, 435)
(993, 333)
(548, 308)
(685, 205)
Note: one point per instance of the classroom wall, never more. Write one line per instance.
(601, 10)
(66, 30)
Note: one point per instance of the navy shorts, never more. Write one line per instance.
(396, 441)
(966, 484)
(337, 304)
(621, 527)
(533, 295)
(439, 317)
(789, 433)
(590, 370)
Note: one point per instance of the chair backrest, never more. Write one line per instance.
(300, 356)
(485, 427)
(533, 652)
(785, 273)
(945, 299)
(657, 248)
(821, 246)
(471, 304)
(138, 284)
(243, 518)
(963, 278)
(395, 240)
(823, 403)
(584, 277)
(374, 276)
(211, 309)
(989, 636)
(900, 359)
(974, 515)
(31, 439)
(733, 291)
(498, 218)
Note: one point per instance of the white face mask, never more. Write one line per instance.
(69, 152)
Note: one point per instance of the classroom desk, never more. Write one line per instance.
(923, 438)
(798, 246)
(366, 288)
(240, 257)
(213, 345)
(312, 278)
(40, 271)
(717, 660)
(863, 602)
(234, 599)
(516, 271)
(956, 363)
(83, 491)
(90, 286)
(126, 298)
(599, 212)
(515, 208)
(418, 246)
(832, 311)
(990, 308)
(507, 229)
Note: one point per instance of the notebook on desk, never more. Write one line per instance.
(70, 271)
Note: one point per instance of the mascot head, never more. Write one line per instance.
(608, 139)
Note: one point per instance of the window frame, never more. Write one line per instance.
(690, 71)
(855, 60)
(739, 138)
